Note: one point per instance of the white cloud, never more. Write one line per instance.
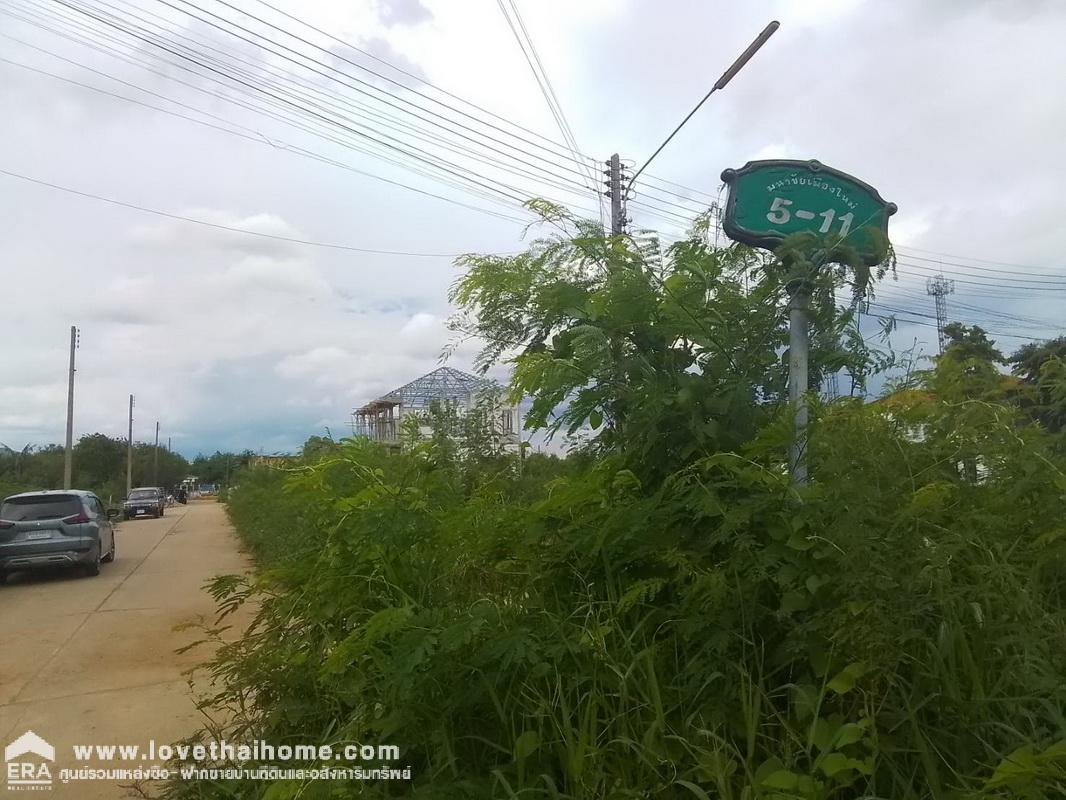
(234, 340)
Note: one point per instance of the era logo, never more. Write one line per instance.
(23, 774)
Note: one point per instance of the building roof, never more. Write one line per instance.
(443, 383)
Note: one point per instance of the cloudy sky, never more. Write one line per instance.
(951, 108)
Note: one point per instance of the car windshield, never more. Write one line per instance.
(53, 506)
(143, 494)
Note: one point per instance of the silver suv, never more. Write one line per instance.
(55, 528)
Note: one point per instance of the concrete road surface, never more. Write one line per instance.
(91, 660)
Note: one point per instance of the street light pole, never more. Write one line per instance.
(720, 84)
(68, 455)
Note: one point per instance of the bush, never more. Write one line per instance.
(675, 621)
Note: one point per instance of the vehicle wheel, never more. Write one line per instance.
(92, 569)
(111, 553)
(162, 512)
(3, 578)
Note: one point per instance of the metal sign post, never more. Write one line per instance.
(771, 200)
(798, 363)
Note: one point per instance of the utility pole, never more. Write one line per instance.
(129, 453)
(68, 456)
(168, 445)
(614, 191)
(155, 465)
(940, 287)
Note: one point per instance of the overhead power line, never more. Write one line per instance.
(577, 164)
(589, 160)
(306, 90)
(1042, 274)
(551, 99)
(257, 136)
(333, 71)
(970, 258)
(920, 319)
(476, 179)
(243, 81)
(217, 226)
(284, 106)
(963, 277)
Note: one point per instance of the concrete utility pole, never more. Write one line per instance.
(155, 464)
(614, 191)
(798, 357)
(68, 456)
(129, 453)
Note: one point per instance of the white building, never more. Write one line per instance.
(381, 419)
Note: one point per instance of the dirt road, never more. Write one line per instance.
(91, 660)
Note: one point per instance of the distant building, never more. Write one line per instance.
(381, 419)
(270, 461)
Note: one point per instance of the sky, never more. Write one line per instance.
(235, 341)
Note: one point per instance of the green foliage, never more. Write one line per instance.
(1041, 366)
(970, 343)
(220, 468)
(99, 465)
(664, 358)
(664, 615)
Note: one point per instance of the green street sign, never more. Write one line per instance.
(768, 200)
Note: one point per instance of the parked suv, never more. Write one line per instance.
(55, 528)
(148, 501)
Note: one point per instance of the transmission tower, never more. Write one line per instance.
(940, 287)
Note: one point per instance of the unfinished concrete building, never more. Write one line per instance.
(381, 419)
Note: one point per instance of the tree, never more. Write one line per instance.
(1041, 367)
(661, 355)
(970, 343)
(98, 459)
(219, 467)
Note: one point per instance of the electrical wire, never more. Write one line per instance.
(536, 66)
(921, 270)
(362, 110)
(258, 138)
(586, 158)
(340, 72)
(658, 212)
(333, 71)
(506, 190)
(970, 258)
(317, 131)
(920, 317)
(673, 217)
(229, 228)
(577, 157)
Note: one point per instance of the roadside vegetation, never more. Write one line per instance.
(662, 614)
(100, 466)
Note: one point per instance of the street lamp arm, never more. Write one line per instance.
(727, 76)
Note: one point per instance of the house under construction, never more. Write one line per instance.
(380, 420)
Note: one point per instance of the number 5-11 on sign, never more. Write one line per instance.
(779, 215)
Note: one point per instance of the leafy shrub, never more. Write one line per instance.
(675, 623)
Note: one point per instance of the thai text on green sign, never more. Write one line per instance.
(769, 200)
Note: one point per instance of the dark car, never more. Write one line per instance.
(55, 528)
(148, 501)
